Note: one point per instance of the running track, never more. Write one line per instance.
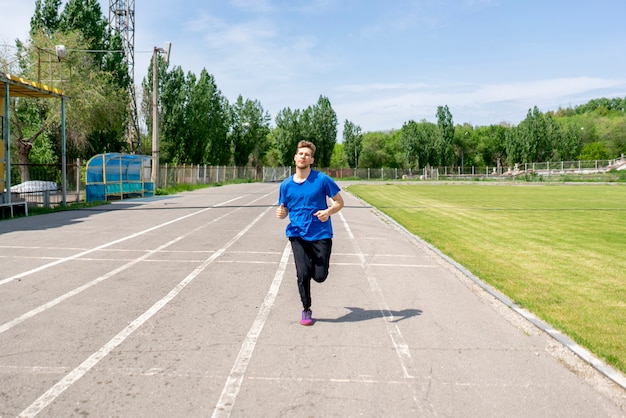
(187, 306)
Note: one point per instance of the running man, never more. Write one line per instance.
(303, 197)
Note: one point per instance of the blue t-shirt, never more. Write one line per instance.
(302, 200)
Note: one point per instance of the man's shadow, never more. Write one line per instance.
(360, 314)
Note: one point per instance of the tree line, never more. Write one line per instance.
(198, 125)
(592, 131)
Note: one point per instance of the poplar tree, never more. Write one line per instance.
(287, 134)
(325, 131)
(444, 145)
(250, 128)
(352, 143)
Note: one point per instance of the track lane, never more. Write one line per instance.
(183, 359)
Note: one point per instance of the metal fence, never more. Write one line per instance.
(171, 175)
(545, 169)
(44, 187)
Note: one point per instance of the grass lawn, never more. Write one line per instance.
(557, 250)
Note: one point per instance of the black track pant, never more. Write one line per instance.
(312, 259)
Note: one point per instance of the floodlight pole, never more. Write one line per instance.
(155, 119)
(155, 109)
(6, 136)
(63, 152)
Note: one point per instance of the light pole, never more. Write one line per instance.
(155, 108)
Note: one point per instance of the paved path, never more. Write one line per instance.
(186, 306)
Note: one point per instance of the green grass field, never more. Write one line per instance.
(557, 250)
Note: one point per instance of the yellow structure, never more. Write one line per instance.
(12, 86)
(2, 165)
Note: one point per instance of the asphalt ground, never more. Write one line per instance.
(187, 306)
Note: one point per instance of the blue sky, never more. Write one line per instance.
(382, 63)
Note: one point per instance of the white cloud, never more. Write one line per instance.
(380, 107)
(541, 90)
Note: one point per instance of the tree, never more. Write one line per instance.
(174, 132)
(317, 124)
(85, 16)
(209, 121)
(417, 142)
(338, 159)
(373, 152)
(306, 128)
(567, 146)
(324, 123)
(26, 129)
(194, 117)
(352, 141)
(409, 143)
(95, 114)
(594, 151)
(444, 145)
(534, 138)
(249, 132)
(380, 149)
(29, 118)
(114, 63)
(489, 145)
(614, 136)
(513, 147)
(287, 135)
(199, 110)
(602, 106)
(394, 150)
(463, 144)
(46, 17)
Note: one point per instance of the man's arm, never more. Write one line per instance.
(337, 204)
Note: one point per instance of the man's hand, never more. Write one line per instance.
(281, 211)
(322, 215)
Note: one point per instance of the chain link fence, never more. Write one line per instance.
(44, 187)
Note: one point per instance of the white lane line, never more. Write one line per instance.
(71, 378)
(24, 247)
(401, 347)
(357, 380)
(108, 244)
(8, 325)
(225, 404)
(413, 266)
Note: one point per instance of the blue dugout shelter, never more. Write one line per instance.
(114, 176)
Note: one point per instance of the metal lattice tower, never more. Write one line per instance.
(122, 20)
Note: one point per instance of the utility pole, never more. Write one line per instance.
(156, 164)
